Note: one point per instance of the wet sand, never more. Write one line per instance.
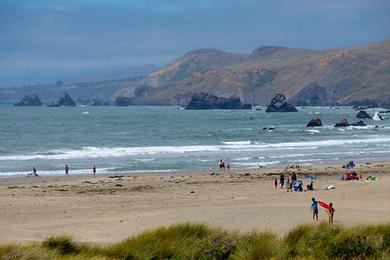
(107, 209)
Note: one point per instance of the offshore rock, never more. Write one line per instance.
(314, 123)
(123, 101)
(342, 123)
(279, 104)
(29, 100)
(65, 101)
(363, 114)
(208, 101)
(359, 123)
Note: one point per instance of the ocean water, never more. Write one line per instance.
(138, 139)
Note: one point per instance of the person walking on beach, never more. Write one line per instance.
(35, 172)
(314, 208)
(281, 180)
(94, 169)
(331, 211)
(276, 182)
(228, 167)
(66, 169)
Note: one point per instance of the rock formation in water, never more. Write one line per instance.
(65, 101)
(208, 101)
(314, 123)
(342, 123)
(29, 100)
(123, 101)
(363, 114)
(359, 123)
(279, 104)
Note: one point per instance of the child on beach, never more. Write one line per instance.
(331, 211)
(314, 208)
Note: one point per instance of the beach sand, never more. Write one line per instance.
(107, 209)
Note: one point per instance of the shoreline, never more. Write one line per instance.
(108, 208)
(271, 167)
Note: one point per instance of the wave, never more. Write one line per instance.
(255, 164)
(238, 143)
(313, 131)
(83, 172)
(242, 146)
(58, 172)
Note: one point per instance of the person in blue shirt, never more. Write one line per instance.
(314, 208)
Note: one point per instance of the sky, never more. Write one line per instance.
(44, 41)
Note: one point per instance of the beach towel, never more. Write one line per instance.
(329, 187)
(310, 177)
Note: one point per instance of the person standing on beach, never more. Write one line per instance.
(94, 169)
(276, 182)
(331, 211)
(66, 169)
(281, 180)
(221, 165)
(35, 172)
(314, 208)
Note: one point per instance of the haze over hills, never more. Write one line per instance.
(306, 77)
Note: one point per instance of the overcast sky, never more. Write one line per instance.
(43, 40)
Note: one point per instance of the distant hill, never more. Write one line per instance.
(306, 77)
(102, 85)
(354, 75)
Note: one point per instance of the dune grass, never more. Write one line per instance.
(198, 241)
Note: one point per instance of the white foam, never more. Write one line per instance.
(256, 164)
(243, 146)
(306, 160)
(238, 143)
(242, 159)
(57, 172)
(313, 131)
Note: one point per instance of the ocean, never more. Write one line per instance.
(165, 139)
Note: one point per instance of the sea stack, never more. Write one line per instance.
(208, 101)
(123, 101)
(342, 123)
(279, 104)
(29, 100)
(314, 123)
(363, 114)
(65, 101)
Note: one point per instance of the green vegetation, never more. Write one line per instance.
(197, 241)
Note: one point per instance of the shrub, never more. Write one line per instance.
(197, 241)
(64, 245)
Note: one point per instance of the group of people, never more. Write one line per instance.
(296, 185)
(34, 171)
(328, 208)
(350, 165)
(286, 183)
(350, 176)
(222, 165)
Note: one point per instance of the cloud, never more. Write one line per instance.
(81, 34)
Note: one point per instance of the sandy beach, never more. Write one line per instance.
(107, 209)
